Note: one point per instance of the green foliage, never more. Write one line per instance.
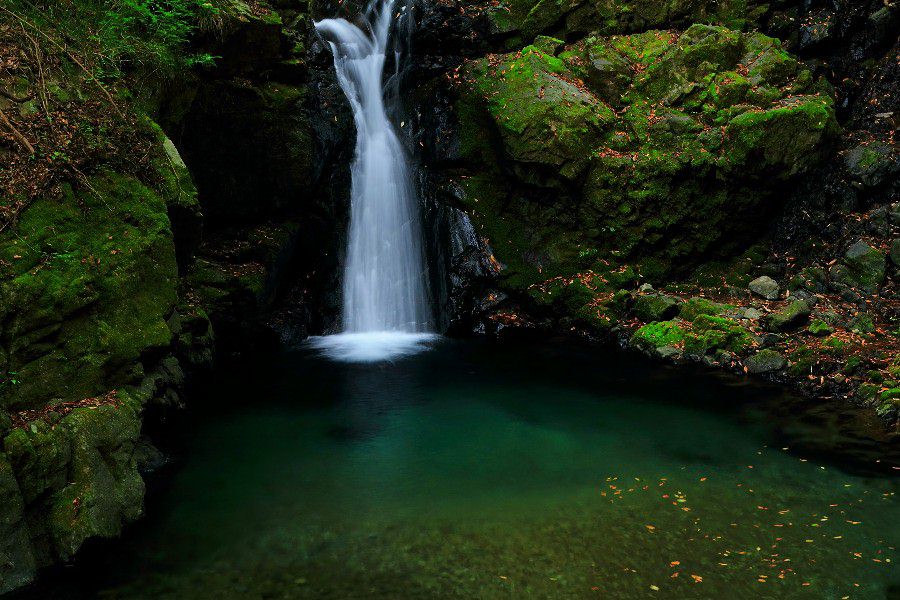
(150, 32)
(112, 37)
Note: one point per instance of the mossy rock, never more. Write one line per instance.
(863, 268)
(78, 476)
(790, 317)
(801, 361)
(645, 184)
(524, 19)
(820, 328)
(655, 307)
(711, 333)
(543, 119)
(88, 281)
(765, 361)
(694, 307)
(657, 335)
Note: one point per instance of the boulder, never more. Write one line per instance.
(790, 317)
(863, 268)
(765, 361)
(751, 314)
(765, 287)
(655, 307)
(895, 252)
(579, 163)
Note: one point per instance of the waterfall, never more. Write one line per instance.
(386, 311)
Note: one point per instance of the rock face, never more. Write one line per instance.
(663, 146)
(104, 304)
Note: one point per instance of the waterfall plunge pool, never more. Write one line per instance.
(486, 471)
(373, 346)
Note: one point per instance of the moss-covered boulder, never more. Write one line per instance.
(655, 307)
(654, 336)
(863, 268)
(87, 281)
(545, 119)
(77, 473)
(789, 317)
(663, 146)
(523, 19)
(695, 307)
(711, 333)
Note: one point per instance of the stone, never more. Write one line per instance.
(656, 307)
(820, 328)
(864, 268)
(765, 287)
(791, 316)
(895, 252)
(667, 351)
(765, 361)
(870, 164)
(752, 314)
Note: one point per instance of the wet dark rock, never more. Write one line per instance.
(765, 361)
(790, 317)
(864, 268)
(655, 307)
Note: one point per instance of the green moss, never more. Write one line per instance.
(834, 345)
(862, 323)
(789, 317)
(646, 184)
(88, 284)
(654, 180)
(694, 307)
(655, 307)
(820, 328)
(542, 118)
(712, 333)
(802, 361)
(852, 365)
(788, 136)
(659, 334)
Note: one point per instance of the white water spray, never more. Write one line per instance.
(386, 310)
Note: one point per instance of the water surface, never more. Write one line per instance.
(479, 471)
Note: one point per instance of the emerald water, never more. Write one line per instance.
(483, 471)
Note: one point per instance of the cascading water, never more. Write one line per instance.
(386, 309)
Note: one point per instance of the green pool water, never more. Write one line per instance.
(480, 471)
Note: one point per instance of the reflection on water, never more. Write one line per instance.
(479, 471)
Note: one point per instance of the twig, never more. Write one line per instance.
(16, 133)
(40, 66)
(70, 55)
